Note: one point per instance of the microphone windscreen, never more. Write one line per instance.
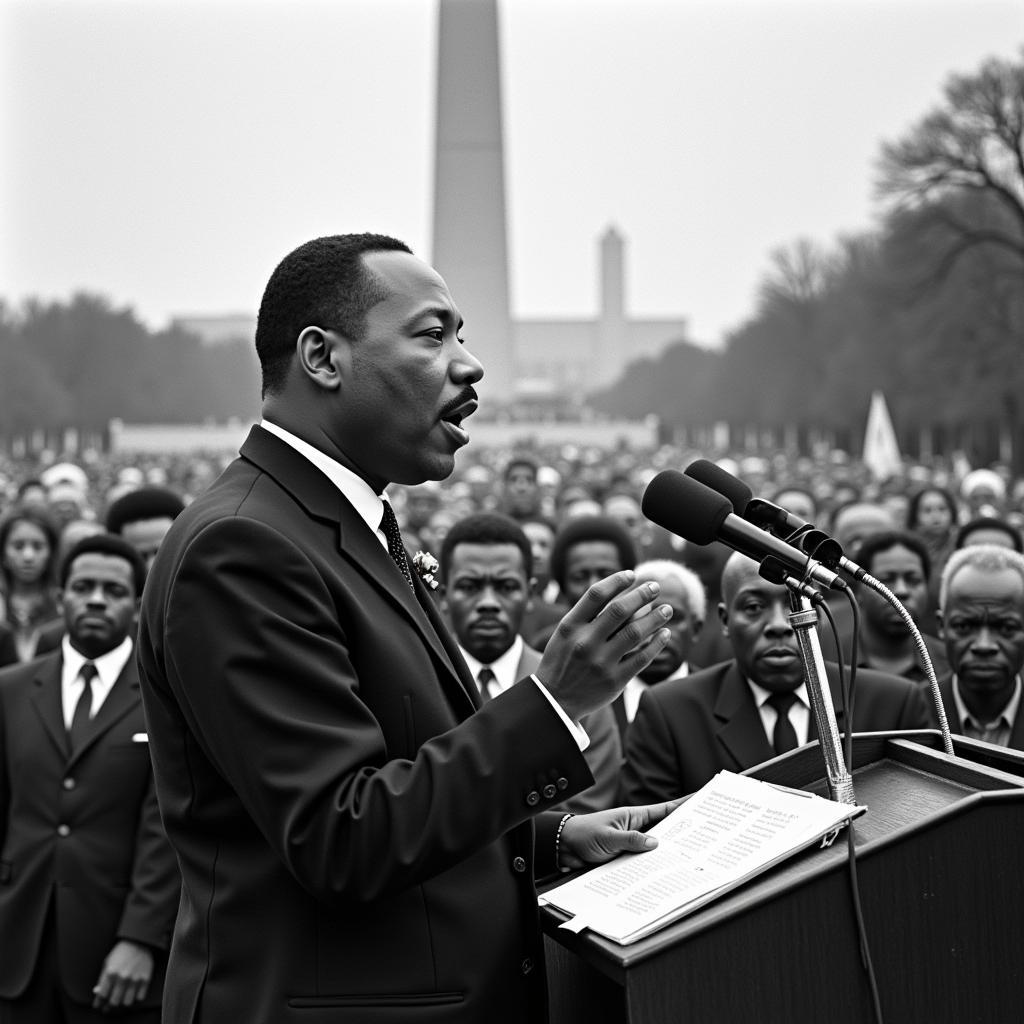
(685, 506)
(710, 475)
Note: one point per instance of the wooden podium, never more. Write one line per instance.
(940, 866)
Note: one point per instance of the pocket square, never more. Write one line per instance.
(140, 737)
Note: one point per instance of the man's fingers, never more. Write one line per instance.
(594, 601)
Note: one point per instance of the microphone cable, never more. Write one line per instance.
(851, 850)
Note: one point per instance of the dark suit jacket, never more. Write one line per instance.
(354, 829)
(956, 724)
(83, 829)
(604, 754)
(687, 730)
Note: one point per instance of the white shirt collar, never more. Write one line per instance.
(504, 668)
(635, 688)
(369, 505)
(1008, 715)
(108, 667)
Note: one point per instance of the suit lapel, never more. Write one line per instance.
(361, 549)
(48, 701)
(740, 730)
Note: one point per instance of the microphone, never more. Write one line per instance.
(770, 516)
(686, 507)
(774, 571)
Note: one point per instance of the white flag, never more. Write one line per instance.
(881, 450)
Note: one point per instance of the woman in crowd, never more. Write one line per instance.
(28, 543)
(934, 515)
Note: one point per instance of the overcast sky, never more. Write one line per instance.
(166, 154)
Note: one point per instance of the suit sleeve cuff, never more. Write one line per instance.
(579, 734)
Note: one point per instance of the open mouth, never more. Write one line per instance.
(453, 416)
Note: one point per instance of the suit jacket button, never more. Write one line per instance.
(527, 965)
(562, 782)
(63, 830)
(549, 791)
(68, 783)
(533, 798)
(519, 864)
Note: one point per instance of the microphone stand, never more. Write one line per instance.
(804, 620)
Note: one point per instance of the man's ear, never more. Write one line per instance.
(531, 591)
(723, 617)
(940, 631)
(324, 357)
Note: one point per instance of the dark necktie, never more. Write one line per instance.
(784, 736)
(483, 680)
(389, 527)
(83, 709)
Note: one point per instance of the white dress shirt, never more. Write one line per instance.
(799, 711)
(636, 688)
(108, 667)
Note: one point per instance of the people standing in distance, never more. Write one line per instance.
(739, 713)
(90, 885)
(358, 835)
(982, 622)
(486, 580)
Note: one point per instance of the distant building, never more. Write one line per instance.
(526, 360)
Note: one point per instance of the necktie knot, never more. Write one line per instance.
(784, 735)
(396, 548)
(88, 672)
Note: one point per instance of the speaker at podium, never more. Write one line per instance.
(938, 862)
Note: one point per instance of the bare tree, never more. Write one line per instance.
(972, 146)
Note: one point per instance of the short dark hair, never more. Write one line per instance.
(145, 503)
(914, 507)
(485, 528)
(521, 459)
(586, 528)
(989, 523)
(106, 544)
(322, 283)
(876, 543)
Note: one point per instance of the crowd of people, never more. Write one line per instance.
(332, 725)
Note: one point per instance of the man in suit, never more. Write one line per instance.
(981, 616)
(355, 830)
(486, 562)
(88, 883)
(739, 713)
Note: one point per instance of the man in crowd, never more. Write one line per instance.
(486, 580)
(982, 620)
(143, 517)
(587, 548)
(358, 833)
(90, 884)
(683, 592)
(521, 495)
(748, 710)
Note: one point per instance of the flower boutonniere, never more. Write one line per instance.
(426, 566)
